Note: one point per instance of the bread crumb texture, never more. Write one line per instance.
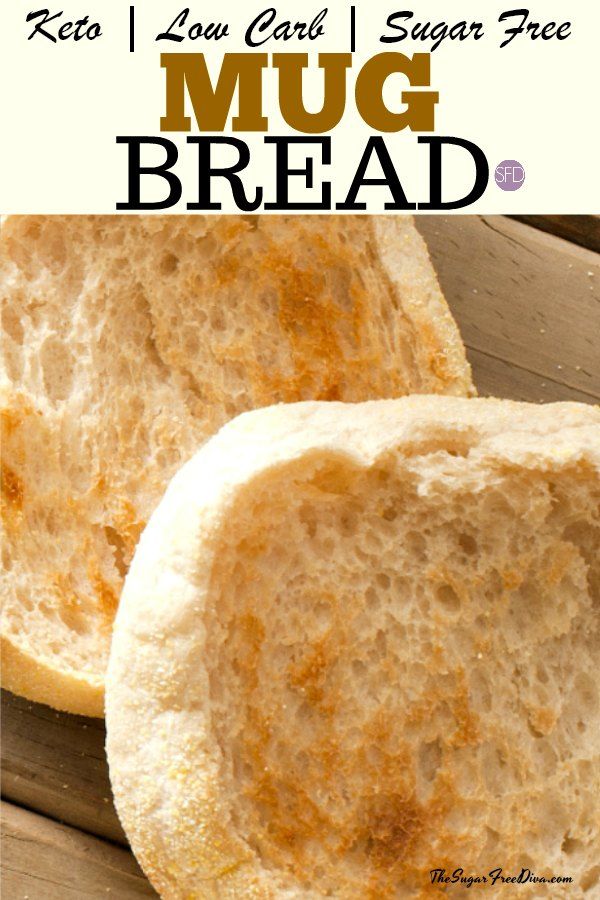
(378, 655)
(127, 341)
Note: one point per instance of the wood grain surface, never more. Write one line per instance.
(584, 230)
(55, 763)
(43, 859)
(528, 306)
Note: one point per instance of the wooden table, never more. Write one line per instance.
(528, 305)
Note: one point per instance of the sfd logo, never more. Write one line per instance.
(509, 175)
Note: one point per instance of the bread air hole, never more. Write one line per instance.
(169, 264)
(448, 598)
(57, 364)
(570, 846)
(468, 544)
(74, 619)
(12, 325)
(383, 581)
(585, 693)
(117, 544)
(590, 879)
(430, 758)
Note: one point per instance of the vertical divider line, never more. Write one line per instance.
(352, 29)
(132, 29)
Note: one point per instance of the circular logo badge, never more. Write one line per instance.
(509, 175)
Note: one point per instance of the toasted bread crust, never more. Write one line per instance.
(38, 680)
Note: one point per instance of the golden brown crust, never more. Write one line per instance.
(40, 681)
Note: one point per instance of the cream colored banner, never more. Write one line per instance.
(70, 90)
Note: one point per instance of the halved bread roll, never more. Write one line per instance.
(360, 642)
(128, 341)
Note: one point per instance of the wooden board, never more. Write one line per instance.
(528, 306)
(55, 763)
(42, 860)
(584, 230)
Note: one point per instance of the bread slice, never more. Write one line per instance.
(127, 341)
(360, 642)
